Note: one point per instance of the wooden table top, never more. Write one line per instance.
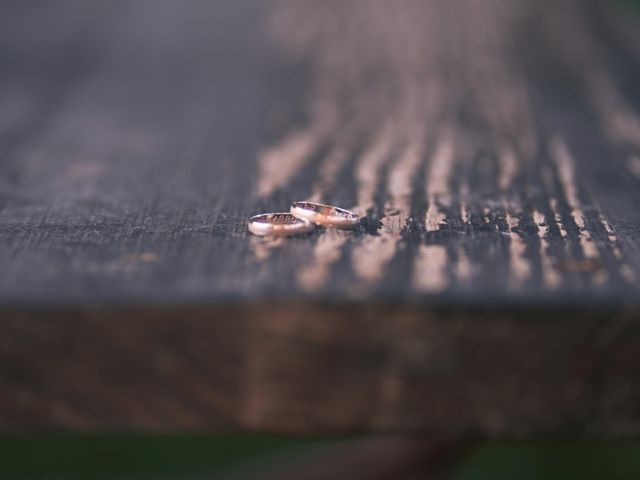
(493, 149)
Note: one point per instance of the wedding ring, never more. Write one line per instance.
(325, 215)
(278, 224)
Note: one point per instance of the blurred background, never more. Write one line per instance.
(59, 456)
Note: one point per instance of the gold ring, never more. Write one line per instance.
(325, 215)
(278, 224)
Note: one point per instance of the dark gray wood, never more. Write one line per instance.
(493, 149)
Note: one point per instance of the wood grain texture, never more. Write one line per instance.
(492, 147)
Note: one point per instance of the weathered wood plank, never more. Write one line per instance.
(494, 160)
(493, 148)
(306, 369)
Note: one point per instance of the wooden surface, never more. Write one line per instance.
(493, 148)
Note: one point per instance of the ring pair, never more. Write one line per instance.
(302, 218)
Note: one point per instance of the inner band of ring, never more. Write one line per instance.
(281, 224)
(326, 215)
